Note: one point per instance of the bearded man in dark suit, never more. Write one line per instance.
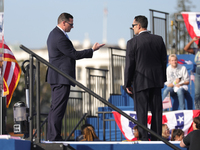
(145, 74)
(63, 56)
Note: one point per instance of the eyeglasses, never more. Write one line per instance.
(134, 25)
(71, 24)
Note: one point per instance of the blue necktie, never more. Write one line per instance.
(67, 36)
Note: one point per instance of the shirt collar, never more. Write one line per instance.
(61, 29)
(144, 31)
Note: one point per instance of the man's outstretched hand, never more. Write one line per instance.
(96, 46)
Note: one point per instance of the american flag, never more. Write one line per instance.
(12, 72)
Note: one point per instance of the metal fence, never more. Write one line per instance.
(117, 66)
(97, 82)
(159, 24)
(75, 110)
(111, 132)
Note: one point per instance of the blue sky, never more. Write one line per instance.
(29, 22)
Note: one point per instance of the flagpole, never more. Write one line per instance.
(2, 99)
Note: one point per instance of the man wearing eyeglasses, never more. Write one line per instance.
(63, 56)
(145, 74)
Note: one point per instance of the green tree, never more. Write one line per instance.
(184, 5)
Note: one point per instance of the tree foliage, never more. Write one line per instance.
(184, 5)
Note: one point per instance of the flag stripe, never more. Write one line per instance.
(7, 51)
(190, 28)
(6, 70)
(191, 20)
(8, 56)
(13, 85)
(12, 73)
(4, 46)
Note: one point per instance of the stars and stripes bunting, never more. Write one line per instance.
(12, 72)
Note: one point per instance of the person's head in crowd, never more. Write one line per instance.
(196, 123)
(177, 135)
(165, 131)
(82, 137)
(135, 132)
(84, 126)
(89, 133)
(173, 61)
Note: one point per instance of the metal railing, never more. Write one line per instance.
(108, 124)
(82, 118)
(38, 60)
(97, 83)
(159, 24)
(117, 66)
(74, 111)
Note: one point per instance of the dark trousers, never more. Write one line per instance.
(149, 98)
(60, 95)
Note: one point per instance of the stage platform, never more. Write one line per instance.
(8, 143)
(137, 145)
(18, 144)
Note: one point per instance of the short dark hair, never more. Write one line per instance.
(142, 20)
(135, 127)
(196, 120)
(177, 132)
(199, 43)
(64, 17)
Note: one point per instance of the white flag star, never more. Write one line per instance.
(198, 18)
(180, 119)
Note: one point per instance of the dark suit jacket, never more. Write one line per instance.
(63, 56)
(146, 61)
